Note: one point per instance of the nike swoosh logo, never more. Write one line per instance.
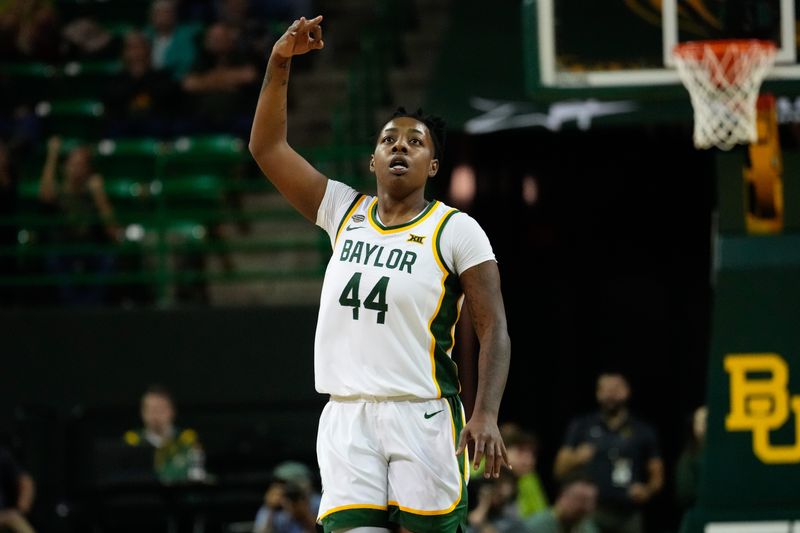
(351, 228)
(427, 416)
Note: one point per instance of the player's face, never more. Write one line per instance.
(157, 413)
(403, 158)
(612, 392)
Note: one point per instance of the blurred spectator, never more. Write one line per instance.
(88, 218)
(28, 30)
(619, 453)
(690, 462)
(496, 510)
(16, 495)
(522, 449)
(290, 503)
(8, 231)
(251, 32)
(178, 453)
(571, 512)
(84, 39)
(223, 83)
(140, 100)
(173, 44)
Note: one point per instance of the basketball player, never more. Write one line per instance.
(391, 442)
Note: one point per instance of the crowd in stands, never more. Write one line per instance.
(607, 469)
(169, 69)
(193, 66)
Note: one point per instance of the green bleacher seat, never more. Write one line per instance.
(130, 197)
(33, 70)
(31, 82)
(189, 189)
(28, 191)
(217, 154)
(136, 158)
(208, 146)
(80, 118)
(86, 79)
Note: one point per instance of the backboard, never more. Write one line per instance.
(607, 45)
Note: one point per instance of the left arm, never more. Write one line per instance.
(103, 205)
(26, 493)
(481, 285)
(643, 492)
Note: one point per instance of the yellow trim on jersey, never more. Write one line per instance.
(348, 215)
(403, 227)
(466, 450)
(354, 506)
(459, 306)
(445, 273)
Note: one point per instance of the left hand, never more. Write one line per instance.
(482, 429)
(302, 36)
(639, 493)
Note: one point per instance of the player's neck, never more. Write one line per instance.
(394, 211)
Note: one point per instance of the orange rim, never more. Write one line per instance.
(696, 49)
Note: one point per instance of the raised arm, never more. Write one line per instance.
(48, 189)
(103, 205)
(26, 490)
(299, 182)
(481, 285)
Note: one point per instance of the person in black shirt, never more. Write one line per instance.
(222, 83)
(140, 100)
(619, 453)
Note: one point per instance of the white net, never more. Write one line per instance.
(723, 79)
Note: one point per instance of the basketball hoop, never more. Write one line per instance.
(723, 78)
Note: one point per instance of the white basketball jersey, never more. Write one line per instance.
(390, 301)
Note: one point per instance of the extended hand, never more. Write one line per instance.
(488, 442)
(301, 37)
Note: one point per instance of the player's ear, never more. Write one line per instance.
(372, 163)
(433, 168)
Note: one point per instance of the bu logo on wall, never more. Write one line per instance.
(762, 403)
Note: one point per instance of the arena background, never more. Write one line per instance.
(603, 227)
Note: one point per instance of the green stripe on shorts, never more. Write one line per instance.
(455, 520)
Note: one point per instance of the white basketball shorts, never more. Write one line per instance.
(392, 461)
